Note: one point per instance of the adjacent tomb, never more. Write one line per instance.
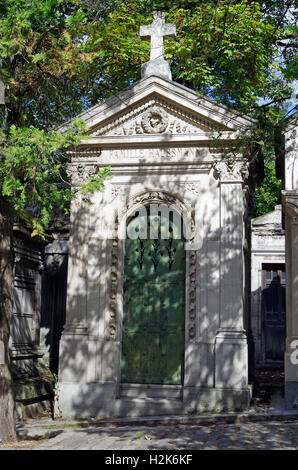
(288, 166)
(268, 288)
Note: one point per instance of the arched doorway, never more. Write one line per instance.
(153, 336)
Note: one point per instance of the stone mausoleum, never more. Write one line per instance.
(268, 289)
(289, 172)
(156, 316)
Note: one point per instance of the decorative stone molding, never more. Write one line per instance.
(178, 120)
(232, 170)
(81, 172)
(155, 197)
(192, 188)
(75, 329)
(155, 120)
(124, 118)
(114, 278)
(181, 155)
(84, 151)
(118, 191)
(192, 293)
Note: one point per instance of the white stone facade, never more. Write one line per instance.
(165, 145)
(290, 206)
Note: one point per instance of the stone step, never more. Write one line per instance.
(136, 407)
(151, 391)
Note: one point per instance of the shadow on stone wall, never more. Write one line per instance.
(87, 337)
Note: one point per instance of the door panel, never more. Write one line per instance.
(153, 307)
(273, 311)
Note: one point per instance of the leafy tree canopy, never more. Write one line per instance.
(60, 57)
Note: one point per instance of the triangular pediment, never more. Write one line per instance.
(156, 115)
(159, 107)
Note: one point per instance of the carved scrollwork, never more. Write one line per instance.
(155, 196)
(232, 170)
(114, 278)
(118, 191)
(180, 121)
(192, 295)
(192, 188)
(80, 173)
(155, 120)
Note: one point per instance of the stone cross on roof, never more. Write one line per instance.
(156, 33)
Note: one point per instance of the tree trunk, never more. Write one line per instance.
(7, 427)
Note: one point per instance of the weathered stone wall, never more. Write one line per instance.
(290, 207)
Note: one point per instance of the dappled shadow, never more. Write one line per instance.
(267, 382)
(98, 313)
(213, 436)
(202, 182)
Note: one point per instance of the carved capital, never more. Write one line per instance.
(80, 173)
(232, 170)
(290, 204)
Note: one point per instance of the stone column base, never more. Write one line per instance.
(231, 360)
(94, 400)
(73, 360)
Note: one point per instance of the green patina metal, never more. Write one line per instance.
(154, 302)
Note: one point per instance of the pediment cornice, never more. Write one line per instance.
(191, 111)
(169, 119)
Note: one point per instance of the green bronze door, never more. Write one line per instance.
(153, 302)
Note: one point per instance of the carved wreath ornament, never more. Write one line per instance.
(155, 120)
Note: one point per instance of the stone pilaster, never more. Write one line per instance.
(231, 360)
(74, 341)
(290, 205)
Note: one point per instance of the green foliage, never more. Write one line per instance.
(58, 57)
(95, 183)
(268, 195)
(33, 172)
(44, 61)
(32, 169)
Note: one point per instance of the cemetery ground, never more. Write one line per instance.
(265, 426)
